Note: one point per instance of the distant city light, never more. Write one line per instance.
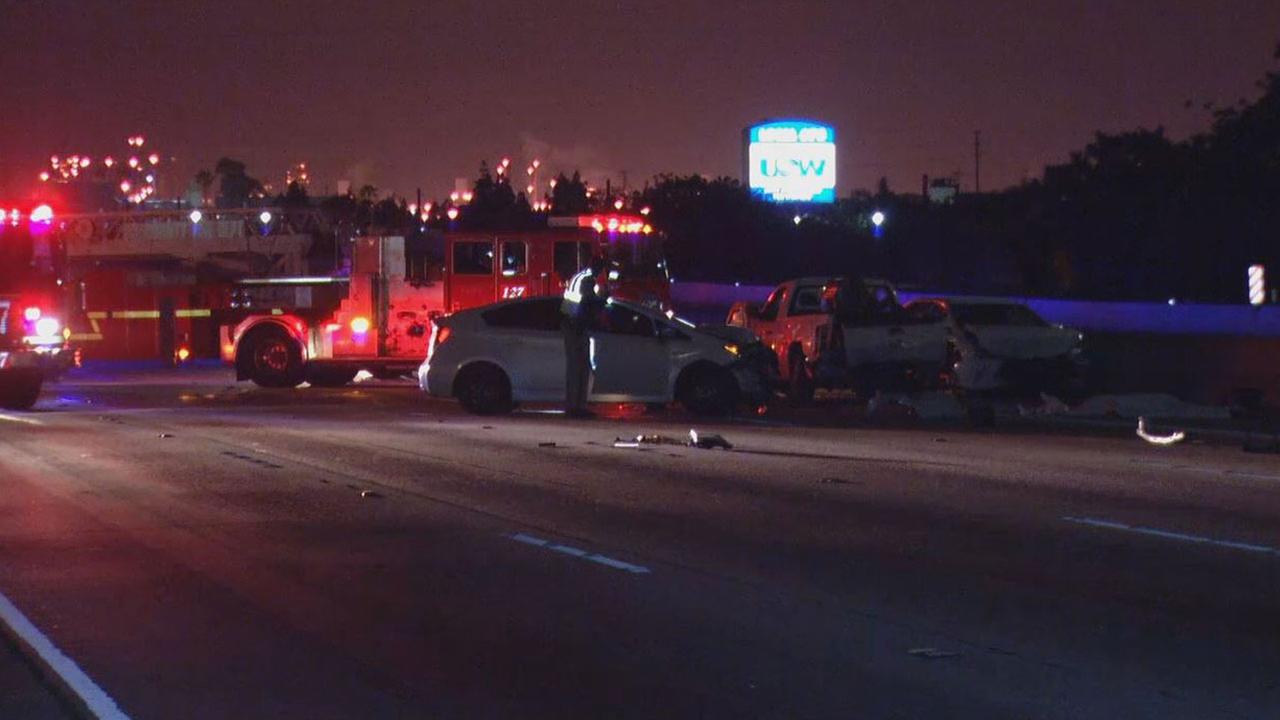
(452, 213)
(877, 218)
(125, 186)
(133, 162)
(265, 217)
(196, 216)
(153, 158)
(617, 204)
(644, 210)
(44, 177)
(109, 161)
(796, 219)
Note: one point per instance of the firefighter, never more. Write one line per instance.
(583, 300)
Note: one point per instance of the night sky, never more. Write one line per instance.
(414, 94)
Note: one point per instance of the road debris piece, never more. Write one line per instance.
(165, 435)
(362, 376)
(932, 653)
(708, 441)
(546, 444)
(1172, 438)
(370, 494)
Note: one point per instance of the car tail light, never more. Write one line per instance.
(439, 334)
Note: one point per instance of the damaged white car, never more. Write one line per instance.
(997, 344)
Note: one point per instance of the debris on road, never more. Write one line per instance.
(1048, 405)
(165, 435)
(708, 441)
(932, 653)
(1172, 438)
(705, 441)
(546, 444)
(372, 495)
(1149, 405)
(362, 376)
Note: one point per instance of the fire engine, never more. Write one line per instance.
(324, 330)
(36, 306)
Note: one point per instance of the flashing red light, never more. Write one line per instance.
(42, 214)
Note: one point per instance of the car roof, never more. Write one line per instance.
(480, 309)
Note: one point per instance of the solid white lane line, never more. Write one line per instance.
(69, 675)
(1171, 535)
(20, 419)
(580, 553)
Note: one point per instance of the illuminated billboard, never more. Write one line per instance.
(791, 161)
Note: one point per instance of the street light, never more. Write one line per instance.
(196, 216)
(265, 217)
(877, 218)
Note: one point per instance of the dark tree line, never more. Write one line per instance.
(1134, 215)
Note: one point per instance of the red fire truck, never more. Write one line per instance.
(324, 330)
(36, 306)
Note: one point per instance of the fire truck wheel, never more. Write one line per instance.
(19, 391)
(274, 358)
(483, 389)
(707, 390)
(329, 377)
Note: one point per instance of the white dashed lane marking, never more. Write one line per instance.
(1171, 535)
(579, 553)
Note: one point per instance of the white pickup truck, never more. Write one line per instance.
(845, 333)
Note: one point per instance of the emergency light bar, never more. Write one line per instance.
(602, 223)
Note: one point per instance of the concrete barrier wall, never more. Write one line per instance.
(1200, 353)
(1111, 317)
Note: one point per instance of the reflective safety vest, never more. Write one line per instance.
(573, 290)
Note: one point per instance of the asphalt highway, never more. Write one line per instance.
(205, 549)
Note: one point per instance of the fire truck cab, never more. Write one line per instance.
(378, 318)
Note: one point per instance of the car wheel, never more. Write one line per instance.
(799, 381)
(483, 389)
(20, 390)
(326, 377)
(708, 391)
(274, 359)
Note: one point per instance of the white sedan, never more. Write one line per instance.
(492, 357)
(1003, 344)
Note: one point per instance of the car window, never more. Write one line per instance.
(620, 320)
(770, 309)
(515, 258)
(538, 314)
(473, 258)
(996, 314)
(567, 260)
(807, 301)
(926, 312)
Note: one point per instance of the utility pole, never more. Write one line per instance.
(977, 161)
